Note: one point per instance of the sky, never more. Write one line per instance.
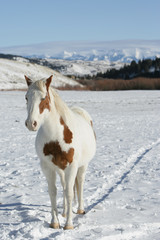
(25, 22)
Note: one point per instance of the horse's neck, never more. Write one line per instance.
(59, 111)
(61, 107)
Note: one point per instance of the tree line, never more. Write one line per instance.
(149, 68)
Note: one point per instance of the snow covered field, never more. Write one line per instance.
(122, 188)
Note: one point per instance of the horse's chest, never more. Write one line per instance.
(60, 157)
(55, 150)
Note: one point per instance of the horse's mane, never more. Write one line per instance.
(60, 105)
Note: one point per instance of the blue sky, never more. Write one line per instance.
(24, 22)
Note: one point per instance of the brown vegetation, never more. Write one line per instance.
(102, 84)
(76, 88)
(139, 83)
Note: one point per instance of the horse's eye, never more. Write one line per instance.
(26, 98)
(42, 99)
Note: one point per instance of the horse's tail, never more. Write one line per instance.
(76, 189)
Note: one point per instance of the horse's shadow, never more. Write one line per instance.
(23, 210)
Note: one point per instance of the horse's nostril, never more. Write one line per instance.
(34, 124)
(26, 123)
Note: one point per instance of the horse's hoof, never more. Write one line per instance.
(68, 227)
(54, 225)
(64, 215)
(79, 211)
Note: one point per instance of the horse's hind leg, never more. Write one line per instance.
(80, 179)
(70, 175)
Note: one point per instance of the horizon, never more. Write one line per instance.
(118, 50)
(83, 41)
(34, 22)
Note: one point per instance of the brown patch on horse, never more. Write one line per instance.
(45, 104)
(48, 82)
(67, 134)
(60, 157)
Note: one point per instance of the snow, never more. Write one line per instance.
(121, 195)
(12, 74)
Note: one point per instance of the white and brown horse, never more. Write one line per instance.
(65, 144)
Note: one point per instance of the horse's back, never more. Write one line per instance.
(83, 113)
(85, 136)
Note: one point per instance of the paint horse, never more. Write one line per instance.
(65, 143)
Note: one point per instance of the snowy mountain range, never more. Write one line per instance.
(112, 51)
(71, 58)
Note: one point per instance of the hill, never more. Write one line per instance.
(12, 74)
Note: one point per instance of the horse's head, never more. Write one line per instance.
(38, 102)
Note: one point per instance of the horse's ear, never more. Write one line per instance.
(28, 80)
(48, 82)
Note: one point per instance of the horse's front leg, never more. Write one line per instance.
(51, 179)
(70, 175)
(62, 177)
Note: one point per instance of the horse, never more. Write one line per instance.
(65, 143)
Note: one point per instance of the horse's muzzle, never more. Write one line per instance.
(32, 126)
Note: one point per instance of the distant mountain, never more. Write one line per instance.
(112, 51)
